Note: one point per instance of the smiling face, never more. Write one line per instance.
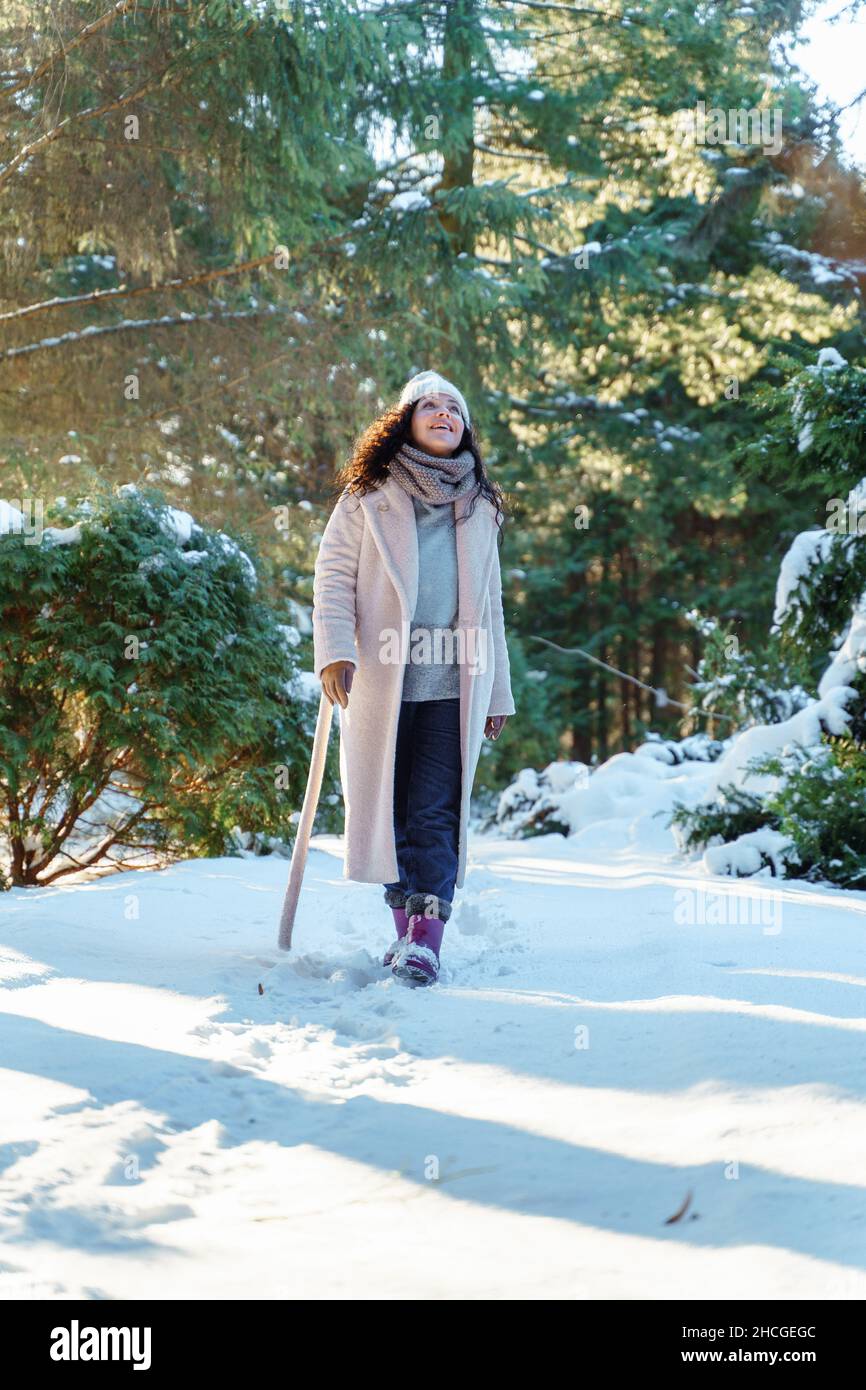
(437, 424)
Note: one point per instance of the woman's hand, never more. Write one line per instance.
(337, 681)
(494, 725)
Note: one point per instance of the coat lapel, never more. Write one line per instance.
(390, 516)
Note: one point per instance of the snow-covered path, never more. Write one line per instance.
(524, 1129)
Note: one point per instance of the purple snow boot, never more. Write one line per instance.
(401, 922)
(418, 963)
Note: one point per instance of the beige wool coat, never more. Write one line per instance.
(366, 587)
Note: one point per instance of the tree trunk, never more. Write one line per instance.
(462, 34)
(458, 118)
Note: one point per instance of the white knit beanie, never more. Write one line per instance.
(430, 384)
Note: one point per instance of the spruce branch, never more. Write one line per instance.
(164, 78)
(89, 113)
(122, 7)
(133, 325)
(129, 291)
(188, 282)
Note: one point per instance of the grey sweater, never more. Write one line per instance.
(436, 676)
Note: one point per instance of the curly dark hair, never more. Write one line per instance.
(373, 450)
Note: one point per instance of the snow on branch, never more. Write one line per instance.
(128, 325)
(124, 291)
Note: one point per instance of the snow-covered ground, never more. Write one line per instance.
(614, 1030)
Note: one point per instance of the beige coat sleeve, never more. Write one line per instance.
(334, 582)
(501, 699)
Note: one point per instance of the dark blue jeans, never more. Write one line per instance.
(427, 786)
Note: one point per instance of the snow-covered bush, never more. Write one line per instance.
(695, 748)
(569, 797)
(532, 803)
(782, 793)
(800, 782)
(149, 705)
(819, 808)
(764, 853)
(812, 826)
(740, 689)
(732, 812)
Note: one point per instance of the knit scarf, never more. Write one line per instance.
(432, 478)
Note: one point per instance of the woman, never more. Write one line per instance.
(409, 641)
